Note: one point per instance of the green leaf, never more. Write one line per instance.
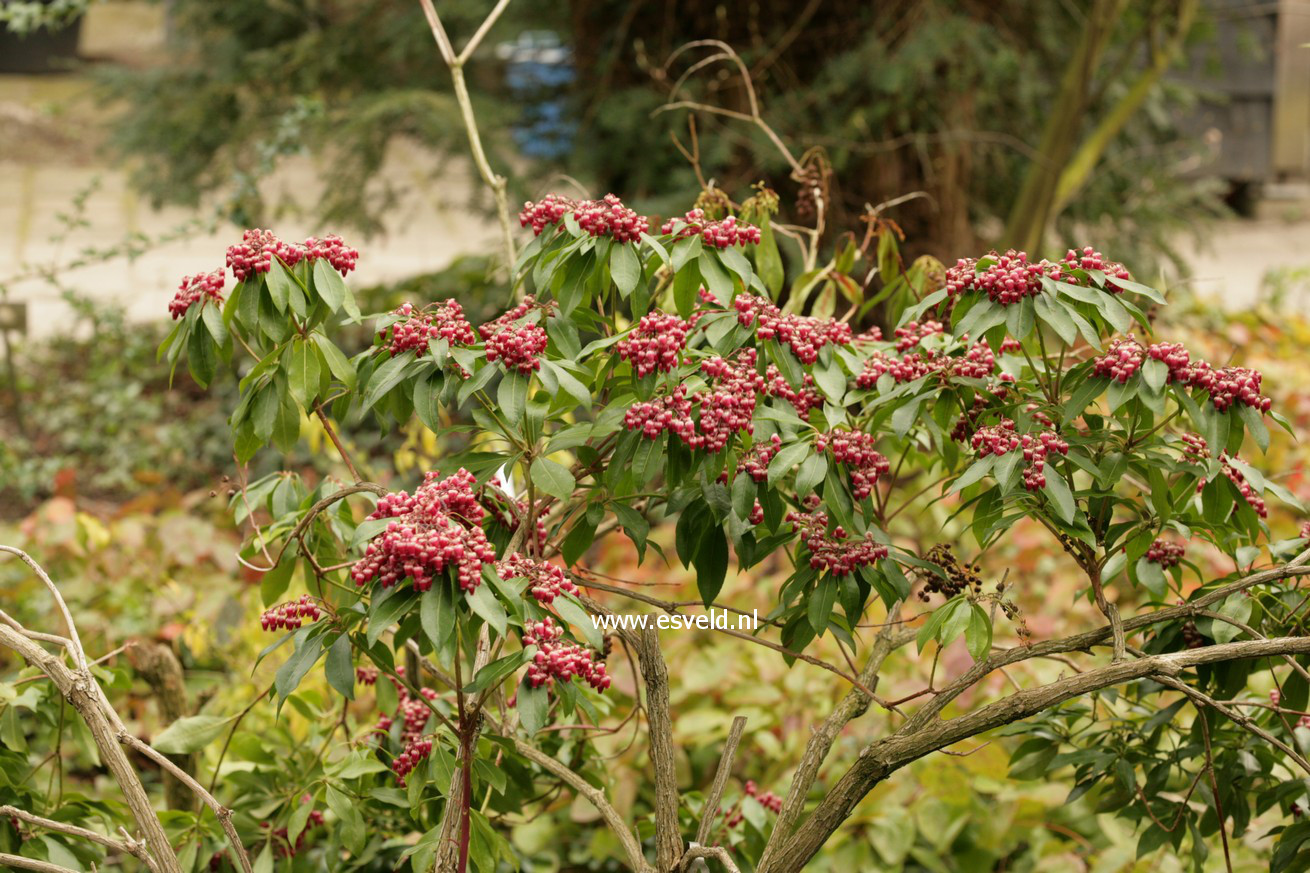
(711, 564)
(1151, 575)
(812, 471)
(975, 472)
(716, 278)
(202, 357)
(302, 660)
(786, 458)
(286, 425)
(933, 625)
(1155, 373)
(350, 821)
(329, 285)
(686, 284)
(513, 397)
(533, 705)
(820, 604)
(625, 267)
(1058, 491)
(213, 320)
(436, 612)
(340, 667)
(485, 605)
(385, 611)
(1255, 425)
(387, 376)
(978, 635)
(956, 622)
(552, 477)
(303, 371)
(572, 612)
(768, 260)
(427, 399)
(1051, 310)
(280, 285)
(191, 734)
(337, 362)
(497, 671)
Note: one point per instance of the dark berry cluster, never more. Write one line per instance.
(960, 575)
(1166, 554)
(1121, 361)
(200, 288)
(855, 450)
(716, 234)
(833, 550)
(435, 528)
(443, 320)
(913, 333)
(291, 615)
(1001, 438)
(654, 345)
(255, 253)
(557, 658)
(513, 341)
(804, 334)
(545, 581)
(755, 463)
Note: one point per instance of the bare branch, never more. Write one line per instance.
(720, 779)
(19, 863)
(631, 846)
(223, 814)
(696, 852)
(79, 654)
(127, 847)
(655, 676)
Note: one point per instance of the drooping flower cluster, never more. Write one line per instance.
(413, 713)
(834, 551)
(605, 217)
(978, 362)
(906, 368)
(1090, 259)
(1165, 553)
(1121, 361)
(802, 400)
(726, 407)
(1254, 500)
(855, 450)
(1226, 386)
(1195, 448)
(255, 253)
(200, 288)
(804, 334)
(557, 658)
(291, 615)
(514, 344)
(366, 675)
(655, 344)
(443, 320)
(755, 463)
(545, 581)
(1000, 439)
(913, 333)
(716, 234)
(1305, 530)
(1009, 278)
(435, 528)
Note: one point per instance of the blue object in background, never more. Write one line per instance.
(538, 71)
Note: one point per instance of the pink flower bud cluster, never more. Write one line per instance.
(605, 217)
(716, 234)
(414, 714)
(833, 551)
(1195, 448)
(1233, 385)
(655, 344)
(1165, 553)
(802, 400)
(200, 288)
(545, 581)
(443, 320)
(906, 368)
(515, 345)
(805, 335)
(1121, 361)
(977, 363)
(1175, 357)
(1001, 439)
(255, 253)
(1090, 259)
(755, 463)
(1305, 530)
(1255, 501)
(435, 528)
(559, 659)
(671, 412)
(913, 333)
(366, 675)
(768, 799)
(290, 615)
(726, 407)
(1008, 279)
(855, 450)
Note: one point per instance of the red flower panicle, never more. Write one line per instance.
(546, 581)
(290, 615)
(655, 344)
(558, 659)
(716, 234)
(443, 320)
(513, 342)
(833, 550)
(855, 450)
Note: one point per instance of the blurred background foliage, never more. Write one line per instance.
(121, 483)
